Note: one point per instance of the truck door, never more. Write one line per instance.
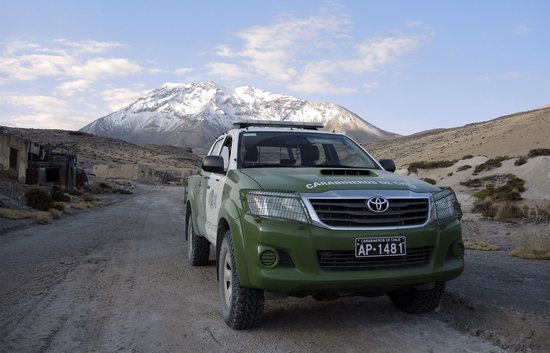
(204, 188)
(214, 192)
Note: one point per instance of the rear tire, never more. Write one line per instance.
(198, 248)
(415, 301)
(242, 308)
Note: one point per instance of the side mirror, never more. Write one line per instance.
(388, 164)
(213, 164)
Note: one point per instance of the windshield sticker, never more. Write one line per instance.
(353, 182)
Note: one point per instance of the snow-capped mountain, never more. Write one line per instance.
(195, 114)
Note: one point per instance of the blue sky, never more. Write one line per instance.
(405, 66)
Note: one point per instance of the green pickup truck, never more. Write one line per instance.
(294, 211)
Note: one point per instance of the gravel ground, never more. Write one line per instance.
(116, 279)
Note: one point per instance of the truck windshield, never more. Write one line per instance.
(271, 149)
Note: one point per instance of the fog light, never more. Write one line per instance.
(457, 250)
(268, 258)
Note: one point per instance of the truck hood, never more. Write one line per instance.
(312, 180)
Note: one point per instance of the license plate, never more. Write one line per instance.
(380, 246)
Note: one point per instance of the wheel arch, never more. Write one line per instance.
(230, 220)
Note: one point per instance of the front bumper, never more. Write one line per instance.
(303, 241)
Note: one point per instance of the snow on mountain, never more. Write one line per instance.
(194, 114)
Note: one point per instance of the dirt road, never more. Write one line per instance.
(116, 279)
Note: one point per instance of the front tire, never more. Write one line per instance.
(198, 248)
(242, 308)
(416, 301)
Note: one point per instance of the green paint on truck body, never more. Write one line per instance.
(302, 241)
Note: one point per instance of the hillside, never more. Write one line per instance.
(96, 149)
(512, 135)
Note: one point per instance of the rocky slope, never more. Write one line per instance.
(193, 115)
(511, 135)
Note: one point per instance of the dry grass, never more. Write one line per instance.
(56, 214)
(480, 245)
(82, 205)
(44, 217)
(533, 246)
(87, 197)
(507, 211)
(10, 213)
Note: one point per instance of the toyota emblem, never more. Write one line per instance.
(378, 204)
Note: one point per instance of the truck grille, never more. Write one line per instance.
(346, 260)
(354, 212)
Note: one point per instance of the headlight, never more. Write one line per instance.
(275, 205)
(446, 204)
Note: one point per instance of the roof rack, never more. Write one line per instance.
(241, 124)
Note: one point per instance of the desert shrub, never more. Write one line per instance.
(74, 192)
(10, 213)
(511, 191)
(104, 186)
(121, 191)
(58, 194)
(490, 164)
(81, 205)
(473, 183)
(468, 156)
(56, 214)
(480, 245)
(507, 211)
(450, 174)
(539, 152)
(44, 218)
(534, 245)
(486, 207)
(538, 214)
(87, 197)
(92, 189)
(414, 166)
(429, 180)
(520, 161)
(58, 206)
(39, 199)
(463, 167)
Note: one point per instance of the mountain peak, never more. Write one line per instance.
(194, 114)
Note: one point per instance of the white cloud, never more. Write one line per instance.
(39, 111)
(31, 66)
(118, 98)
(270, 50)
(70, 88)
(35, 103)
(314, 80)
(225, 70)
(89, 46)
(415, 24)
(310, 54)
(183, 71)
(22, 61)
(99, 68)
(522, 29)
(45, 120)
(369, 57)
(378, 52)
(370, 86)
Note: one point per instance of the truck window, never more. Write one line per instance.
(301, 149)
